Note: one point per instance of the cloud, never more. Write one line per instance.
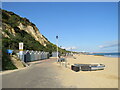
(106, 46)
(110, 44)
(69, 48)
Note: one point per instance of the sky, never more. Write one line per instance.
(80, 26)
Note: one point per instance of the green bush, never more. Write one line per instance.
(21, 36)
(5, 16)
(6, 61)
(13, 21)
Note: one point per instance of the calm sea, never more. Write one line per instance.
(107, 54)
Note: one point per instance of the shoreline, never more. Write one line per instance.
(112, 56)
(107, 55)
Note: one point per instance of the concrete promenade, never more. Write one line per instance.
(41, 74)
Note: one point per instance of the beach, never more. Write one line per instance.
(107, 78)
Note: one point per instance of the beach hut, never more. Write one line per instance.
(45, 55)
(32, 56)
(37, 55)
(54, 54)
(27, 57)
(40, 55)
(48, 55)
(35, 52)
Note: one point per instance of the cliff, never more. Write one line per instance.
(11, 22)
(17, 29)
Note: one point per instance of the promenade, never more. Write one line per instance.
(41, 74)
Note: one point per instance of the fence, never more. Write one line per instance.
(29, 56)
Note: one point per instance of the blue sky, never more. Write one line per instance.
(84, 26)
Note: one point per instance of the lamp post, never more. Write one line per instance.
(71, 51)
(60, 51)
(57, 46)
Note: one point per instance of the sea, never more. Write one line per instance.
(107, 54)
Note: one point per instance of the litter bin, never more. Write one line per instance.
(75, 68)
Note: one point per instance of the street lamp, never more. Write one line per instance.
(57, 46)
(60, 51)
(71, 51)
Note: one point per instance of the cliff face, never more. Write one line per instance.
(16, 29)
(33, 31)
(12, 22)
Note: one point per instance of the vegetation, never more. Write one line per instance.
(21, 36)
(13, 20)
(30, 43)
(6, 62)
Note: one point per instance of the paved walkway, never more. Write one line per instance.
(41, 74)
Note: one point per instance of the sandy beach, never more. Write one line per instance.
(107, 78)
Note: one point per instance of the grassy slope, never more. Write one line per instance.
(30, 43)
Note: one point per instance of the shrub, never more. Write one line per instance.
(6, 62)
